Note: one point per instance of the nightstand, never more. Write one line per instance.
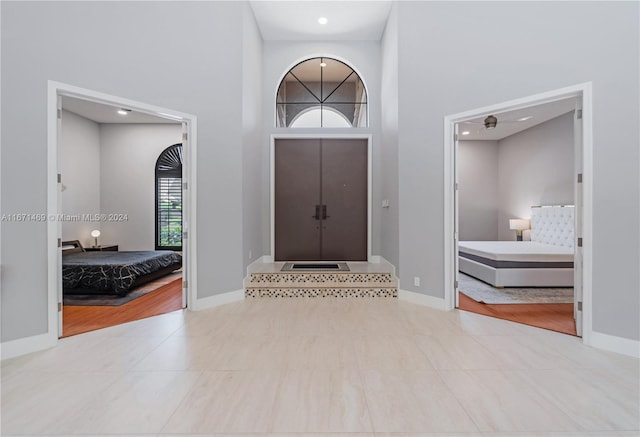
(112, 248)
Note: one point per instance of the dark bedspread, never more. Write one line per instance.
(113, 271)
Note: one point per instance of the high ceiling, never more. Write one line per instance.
(298, 20)
(347, 21)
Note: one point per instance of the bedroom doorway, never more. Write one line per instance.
(458, 127)
(107, 135)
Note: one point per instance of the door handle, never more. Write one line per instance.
(317, 215)
(324, 212)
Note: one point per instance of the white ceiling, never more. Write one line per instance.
(101, 113)
(298, 20)
(347, 20)
(366, 20)
(508, 123)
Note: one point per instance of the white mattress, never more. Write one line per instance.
(522, 251)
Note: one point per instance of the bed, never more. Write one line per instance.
(544, 261)
(112, 272)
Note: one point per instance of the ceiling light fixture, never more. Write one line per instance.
(466, 132)
(323, 20)
(124, 111)
(490, 122)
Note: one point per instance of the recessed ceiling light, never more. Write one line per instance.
(323, 20)
(528, 117)
(323, 64)
(466, 132)
(124, 111)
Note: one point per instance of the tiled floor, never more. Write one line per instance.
(273, 367)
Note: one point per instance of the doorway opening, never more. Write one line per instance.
(320, 200)
(502, 270)
(109, 218)
(321, 197)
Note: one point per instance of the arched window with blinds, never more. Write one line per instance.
(169, 199)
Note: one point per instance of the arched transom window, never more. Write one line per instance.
(321, 92)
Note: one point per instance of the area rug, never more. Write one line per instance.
(485, 293)
(113, 300)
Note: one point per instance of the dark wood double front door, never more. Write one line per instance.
(321, 200)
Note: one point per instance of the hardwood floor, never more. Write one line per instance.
(80, 319)
(553, 316)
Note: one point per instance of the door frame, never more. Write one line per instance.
(582, 92)
(55, 90)
(272, 181)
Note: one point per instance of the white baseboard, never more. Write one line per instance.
(258, 261)
(423, 299)
(612, 343)
(217, 300)
(378, 259)
(23, 346)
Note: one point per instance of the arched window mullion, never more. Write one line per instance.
(347, 96)
(336, 88)
(168, 199)
(306, 87)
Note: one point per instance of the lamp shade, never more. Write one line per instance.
(518, 224)
(95, 233)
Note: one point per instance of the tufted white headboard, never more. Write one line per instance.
(553, 225)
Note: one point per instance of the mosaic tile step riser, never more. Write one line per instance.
(321, 280)
(321, 292)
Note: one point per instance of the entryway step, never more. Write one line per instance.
(321, 292)
(362, 280)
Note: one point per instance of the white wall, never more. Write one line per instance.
(128, 156)
(539, 47)
(388, 165)
(80, 169)
(501, 180)
(186, 57)
(535, 168)
(478, 173)
(109, 169)
(189, 58)
(253, 153)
